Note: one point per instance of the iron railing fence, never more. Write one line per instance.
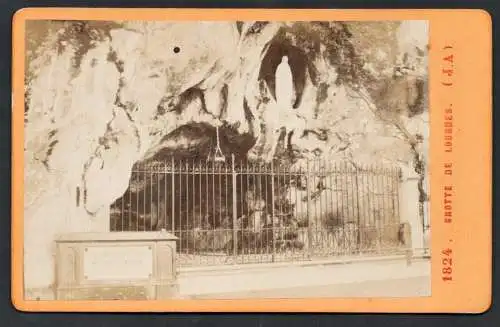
(241, 212)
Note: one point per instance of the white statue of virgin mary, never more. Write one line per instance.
(284, 84)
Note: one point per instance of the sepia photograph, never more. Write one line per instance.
(226, 160)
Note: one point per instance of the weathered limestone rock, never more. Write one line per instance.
(98, 102)
(87, 124)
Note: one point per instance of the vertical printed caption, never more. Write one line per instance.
(447, 76)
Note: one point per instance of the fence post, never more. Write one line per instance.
(172, 172)
(272, 212)
(409, 208)
(235, 213)
(425, 215)
(358, 215)
(309, 211)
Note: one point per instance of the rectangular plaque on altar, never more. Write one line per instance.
(118, 263)
(112, 266)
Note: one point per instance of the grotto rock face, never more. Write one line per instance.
(103, 96)
(359, 98)
(97, 100)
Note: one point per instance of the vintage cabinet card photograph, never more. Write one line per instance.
(251, 160)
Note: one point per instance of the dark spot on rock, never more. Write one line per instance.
(313, 73)
(224, 94)
(93, 62)
(177, 49)
(289, 141)
(60, 47)
(248, 113)
(417, 107)
(52, 133)
(189, 96)
(257, 27)
(167, 104)
(322, 93)
(113, 57)
(51, 147)
(105, 141)
(79, 27)
(121, 82)
(322, 134)
(420, 52)
(160, 111)
(317, 152)
(239, 26)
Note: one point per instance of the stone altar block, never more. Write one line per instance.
(116, 266)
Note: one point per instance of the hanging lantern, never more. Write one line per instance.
(218, 155)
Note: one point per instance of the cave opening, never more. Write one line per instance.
(206, 203)
(201, 194)
(196, 142)
(281, 46)
(260, 208)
